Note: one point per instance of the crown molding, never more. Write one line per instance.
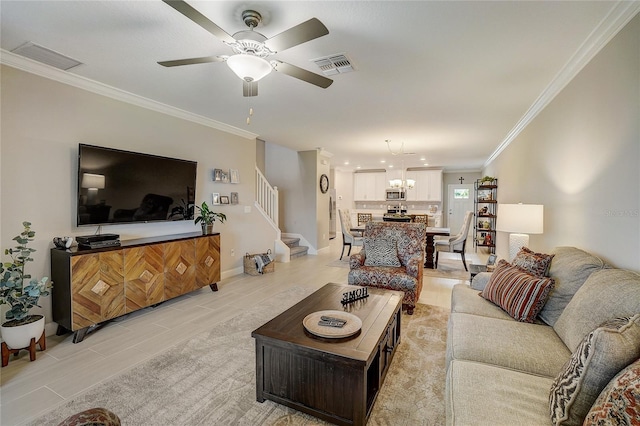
(620, 14)
(25, 64)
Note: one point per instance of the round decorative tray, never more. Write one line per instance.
(352, 326)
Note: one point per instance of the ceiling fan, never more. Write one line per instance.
(252, 48)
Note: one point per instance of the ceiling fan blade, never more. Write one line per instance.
(299, 34)
(249, 89)
(200, 19)
(191, 61)
(302, 74)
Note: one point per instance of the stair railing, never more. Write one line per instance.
(267, 198)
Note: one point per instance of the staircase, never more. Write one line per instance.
(287, 248)
(296, 250)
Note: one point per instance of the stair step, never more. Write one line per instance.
(298, 251)
(291, 242)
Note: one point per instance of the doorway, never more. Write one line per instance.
(460, 197)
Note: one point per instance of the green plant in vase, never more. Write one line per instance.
(207, 218)
(21, 292)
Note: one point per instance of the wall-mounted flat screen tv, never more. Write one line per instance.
(116, 186)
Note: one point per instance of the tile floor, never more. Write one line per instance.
(29, 389)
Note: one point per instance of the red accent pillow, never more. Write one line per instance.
(519, 293)
(534, 263)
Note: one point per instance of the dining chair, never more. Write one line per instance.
(363, 218)
(420, 218)
(348, 239)
(456, 243)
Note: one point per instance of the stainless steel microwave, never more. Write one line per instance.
(395, 194)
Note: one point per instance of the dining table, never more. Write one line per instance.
(431, 244)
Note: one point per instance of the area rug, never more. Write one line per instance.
(210, 379)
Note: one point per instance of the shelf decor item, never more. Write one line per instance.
(21, 330)
(207, 218)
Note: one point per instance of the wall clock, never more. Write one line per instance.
(324, 183)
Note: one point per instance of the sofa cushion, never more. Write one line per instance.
(530, 348)
(569, 269)
(519, 293)
(381, 252)
(465, 300)
(601, 355)
(485, 395)
(620, 399)
(534, 263)
(607, 294)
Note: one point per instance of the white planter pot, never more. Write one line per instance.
(20, 336)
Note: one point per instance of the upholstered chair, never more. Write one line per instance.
(392, 258)
(348, 239)
(457, 243)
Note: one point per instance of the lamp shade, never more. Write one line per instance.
(249, 67)
(520, 218)
(92, 181)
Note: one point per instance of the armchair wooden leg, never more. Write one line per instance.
(437, 259)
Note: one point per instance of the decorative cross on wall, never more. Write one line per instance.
(461, 179)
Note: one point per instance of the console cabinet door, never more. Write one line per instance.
(179, 268)
(207, 260)
(144, 276)
(97, 288)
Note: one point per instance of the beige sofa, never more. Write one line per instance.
(501, 371)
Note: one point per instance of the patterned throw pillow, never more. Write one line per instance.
(520, 294)
(380, 252)
(534, 263)
(619, 402)
(602, 354)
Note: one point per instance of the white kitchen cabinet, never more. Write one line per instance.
(428, 186)
(369, 186)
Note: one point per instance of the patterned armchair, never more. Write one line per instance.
(392, 258)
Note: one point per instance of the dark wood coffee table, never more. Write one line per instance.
(333, 379)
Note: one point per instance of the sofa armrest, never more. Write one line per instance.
(356, 260)
(480, 281)
(413, 265)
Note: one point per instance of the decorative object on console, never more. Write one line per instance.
(63, 242)
(208, 218)
(520, 220)
(355, 295)
(21, 330)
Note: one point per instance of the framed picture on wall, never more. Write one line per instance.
(234, 176)
(234, 198)
(217, 175)
(224, 199)
(215, 198)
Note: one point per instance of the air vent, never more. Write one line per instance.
(334, 64)
(46, 56)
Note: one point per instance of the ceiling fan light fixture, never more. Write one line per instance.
(249, 67)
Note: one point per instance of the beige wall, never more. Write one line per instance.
(580, 158)
(42, 123)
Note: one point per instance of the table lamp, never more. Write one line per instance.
(519, 220)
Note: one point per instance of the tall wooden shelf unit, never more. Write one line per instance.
(486, 206)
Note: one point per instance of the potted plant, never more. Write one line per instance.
(487, 180)
(208, 218)
(21, 292)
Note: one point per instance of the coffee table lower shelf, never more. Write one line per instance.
(337, 381)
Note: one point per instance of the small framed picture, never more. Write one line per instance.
(234, 176)
(215, 199)
(218, 175)
(234, 198)
(224, 199)
(225, 176)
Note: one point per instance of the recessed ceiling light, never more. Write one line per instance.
(426, 164)
(390, 165)
(346, 163)
(422, 159)
(358, 167)
(383, 161)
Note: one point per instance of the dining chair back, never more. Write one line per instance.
(363, 218)
(348, 239)
(456, 243)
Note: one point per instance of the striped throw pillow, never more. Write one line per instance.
(520, 294)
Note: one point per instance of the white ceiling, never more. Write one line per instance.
(449, 79)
